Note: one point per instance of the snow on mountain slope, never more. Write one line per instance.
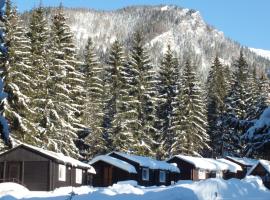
(184, 29)
(210, 189)
(261, 52)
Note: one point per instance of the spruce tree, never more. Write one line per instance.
(18, 82)
(65, 88)
(216, 93)
(143, 83)
(167, 110)
(38, 35)
(193, 138)
(94, 103)
(236, 109)
(119, 114)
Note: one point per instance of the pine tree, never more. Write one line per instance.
(193, 138)
(65, 89)
(144, 92)
(38, 35)
(167, 110)
(119, 115)
(236, 109)
(216, 93)
(18, 82)
(93, 111)
(4, 126)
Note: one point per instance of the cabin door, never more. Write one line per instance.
(107, 176)
(14, 172)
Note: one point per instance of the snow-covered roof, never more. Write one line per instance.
(244, 160)
(149, 162)
(233, 167)
(115, 162)
(264, 163)
(61, 157)
(206, 163)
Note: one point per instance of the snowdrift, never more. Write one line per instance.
(250, 188)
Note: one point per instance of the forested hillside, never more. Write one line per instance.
(82, 83)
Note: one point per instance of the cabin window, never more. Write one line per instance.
(201, 174)
(219, 174)
(61, 172)
(78, 176)
(162, 176)
(145, 174)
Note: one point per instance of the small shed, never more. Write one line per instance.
(43, 170)
(261, 169)
(111, 170)
(146, 171)
(245, 163)
(233, 171)
(197, 168)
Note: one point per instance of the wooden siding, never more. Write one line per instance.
(240, 174)
(260, 171)
(153, 173)
(36, 175)
(36, 171)
(107, 174)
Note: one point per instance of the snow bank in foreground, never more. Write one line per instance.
(212, 189)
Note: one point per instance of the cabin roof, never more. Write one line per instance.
(205, 163)
(56, 156)
(264, 163)
(149, 162)
(233, 167)
(244, 161)
(115, 162)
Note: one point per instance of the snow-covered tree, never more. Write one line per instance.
(64, 89)
(193, 137)
(216, 93)
(94, 103)
(167, 123)
(258, 137)
(143, 91)
(18, 82)
(236, 109)
(120, 116)
(4, 126)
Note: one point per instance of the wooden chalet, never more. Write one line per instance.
(261, 169)
(197, 168)
(245, 163)
(43, 170)
(146, 171)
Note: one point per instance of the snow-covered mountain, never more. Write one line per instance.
(261, 52)
(184, 29)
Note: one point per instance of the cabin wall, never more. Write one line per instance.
(261, 172)
(70, 177)
(186, 169)
(107, 174)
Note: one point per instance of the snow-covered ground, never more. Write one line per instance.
(250, 188)
(261, 52)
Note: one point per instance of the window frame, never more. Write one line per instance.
(78, 176)
(144, 169)
(201, 174)
(164, 176)
(62, 172)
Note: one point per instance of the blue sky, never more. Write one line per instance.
(246, 21)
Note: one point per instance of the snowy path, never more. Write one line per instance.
(211, 189)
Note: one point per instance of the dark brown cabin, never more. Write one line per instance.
(197, 168)
(116, 167)
(42, 170)
(262, 169)
(245, 163)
